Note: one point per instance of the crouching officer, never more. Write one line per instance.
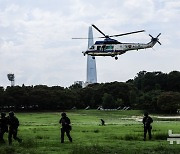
(102, 122)
(13, 123)
(147, 120)
(3, 126)
(66, 127)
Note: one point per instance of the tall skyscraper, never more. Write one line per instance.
(91, 62)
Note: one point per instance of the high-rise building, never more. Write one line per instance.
(91, 62)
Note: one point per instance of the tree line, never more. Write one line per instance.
(155, 91)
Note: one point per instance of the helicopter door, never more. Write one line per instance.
(98, 47)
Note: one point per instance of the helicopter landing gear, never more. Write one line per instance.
(116, 58)
(84, 53)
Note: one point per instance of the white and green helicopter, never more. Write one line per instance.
(113, 48)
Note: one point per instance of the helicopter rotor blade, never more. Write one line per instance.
(107, 36)
(151, 36)
(127, 33)
(153, 49)
(99, 30)
(158, 35)
(159, 42)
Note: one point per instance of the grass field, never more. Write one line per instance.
(123, 133)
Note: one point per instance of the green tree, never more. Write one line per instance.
(174, 81)
(169, 102)
(119, 103)
(108, 101)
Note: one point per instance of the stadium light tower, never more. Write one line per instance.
(11, 78)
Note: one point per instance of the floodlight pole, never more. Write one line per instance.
(11, 78)
(12, 83)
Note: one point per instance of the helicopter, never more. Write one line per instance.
(113, 48)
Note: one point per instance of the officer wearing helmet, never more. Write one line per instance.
(13, 123)
(3, 126)
(147, 120)
(66, 127)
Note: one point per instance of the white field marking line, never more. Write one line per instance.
(168, 117)
(173, 137)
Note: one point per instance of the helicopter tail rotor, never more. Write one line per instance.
(155, 39)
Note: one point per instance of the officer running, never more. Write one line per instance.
(66, 127)
(13, 123)
(147, 120)
(3, 126)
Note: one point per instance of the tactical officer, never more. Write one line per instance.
(13, 123)
(102, 122)
(3, 126)
(66, 127)
(147, 120)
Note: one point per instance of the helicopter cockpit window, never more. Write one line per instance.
(92, 47)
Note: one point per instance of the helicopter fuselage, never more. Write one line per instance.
(111, 47)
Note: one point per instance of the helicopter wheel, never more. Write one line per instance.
(84, 53)
(93, 57)
(116, 58)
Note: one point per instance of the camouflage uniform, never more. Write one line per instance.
(3, 126)
(13, 123)
(147, 120)
(102, 122)
(66, 127)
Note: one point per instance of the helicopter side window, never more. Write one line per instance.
(109, 47)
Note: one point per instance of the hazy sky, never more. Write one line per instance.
(36, 44)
